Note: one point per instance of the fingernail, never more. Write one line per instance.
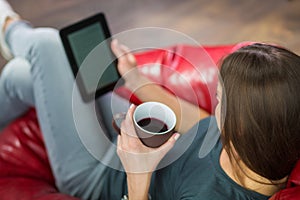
(177, 136)
(114, 42)
(131, 106)
(131, 58)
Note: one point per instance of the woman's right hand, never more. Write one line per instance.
(126, 63)
(134, 155)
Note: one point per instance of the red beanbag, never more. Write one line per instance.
(25, 172)
(189, 72)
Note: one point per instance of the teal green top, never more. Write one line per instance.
(189, 176)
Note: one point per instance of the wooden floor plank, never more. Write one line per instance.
(207, 21)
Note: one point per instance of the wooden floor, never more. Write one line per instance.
(209, 22)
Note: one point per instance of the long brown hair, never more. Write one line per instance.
(262, 118)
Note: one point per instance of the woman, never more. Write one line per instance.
(258, 115)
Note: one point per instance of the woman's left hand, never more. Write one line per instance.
(134, 155)
(127, 66)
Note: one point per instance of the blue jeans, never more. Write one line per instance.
(78, 148)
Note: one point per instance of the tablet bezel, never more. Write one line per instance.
(64, 32)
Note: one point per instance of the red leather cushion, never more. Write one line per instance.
(189, 72)
(292, 190)
(287, 194)
(294, 179)
(24, 168)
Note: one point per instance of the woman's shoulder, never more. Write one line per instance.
(195, 174)
(203, 137)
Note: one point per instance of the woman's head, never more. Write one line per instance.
(260, 108)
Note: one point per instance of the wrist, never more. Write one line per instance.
(136, 177)
(138, 185)
(125, 197)
(140, 86)
(137, 82)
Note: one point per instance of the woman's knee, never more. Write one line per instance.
(16, 77)
(45, 39)
(16, 70)
(46, 49)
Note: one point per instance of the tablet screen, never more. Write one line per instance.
(90, 56)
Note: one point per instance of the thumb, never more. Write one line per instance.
(116, 48)
(129, 55)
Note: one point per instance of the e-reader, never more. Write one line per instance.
(87, 46)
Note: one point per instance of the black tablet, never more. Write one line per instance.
(87, 46)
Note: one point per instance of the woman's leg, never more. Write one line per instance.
(15, 90)
(76, 171)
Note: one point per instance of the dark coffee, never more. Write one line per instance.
(153, 125)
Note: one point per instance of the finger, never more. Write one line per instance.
(122, 53)
(123, 133)
(130, 112)
(170, 143)
(128, 54)
(129, 142)
(124, 48)
(119, 49)
(119, 141)
(129, 121)
(119, 144)
(116, 48)
(127, 129)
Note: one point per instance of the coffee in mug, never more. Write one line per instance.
(154, 123)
